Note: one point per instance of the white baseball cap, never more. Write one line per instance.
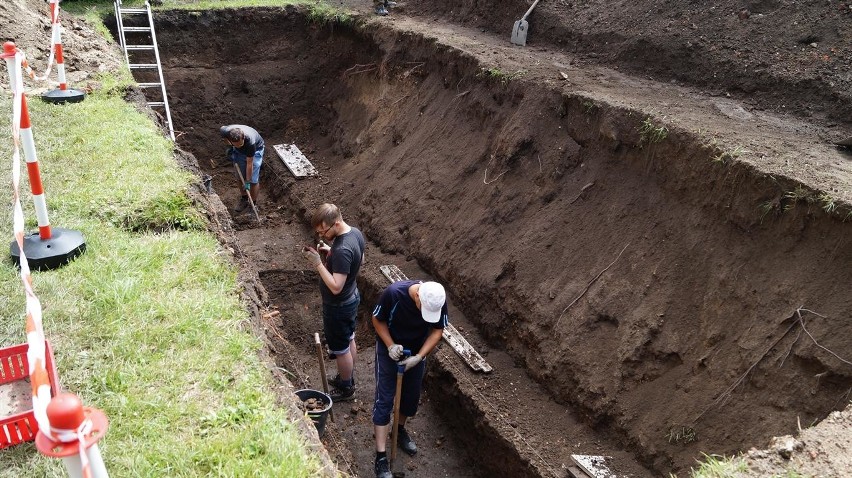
(432, 298)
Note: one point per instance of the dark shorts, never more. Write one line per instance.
(412, 384)
(338, 321)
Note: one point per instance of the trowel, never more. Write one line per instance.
(519, 31)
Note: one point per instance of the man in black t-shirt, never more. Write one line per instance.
(245, 142)
(340, 296)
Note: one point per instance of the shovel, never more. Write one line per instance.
(322, 369)
(519, 31)
(397, 398)
(248, 194)
(846, 143)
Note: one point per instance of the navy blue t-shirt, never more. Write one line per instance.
(405, 322)
(253, 142)
(345, 256)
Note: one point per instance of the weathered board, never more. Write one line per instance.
(295, 161)
(450, 334)
(594, 466)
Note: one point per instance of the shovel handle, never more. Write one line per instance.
(530, 10)
(321, 357)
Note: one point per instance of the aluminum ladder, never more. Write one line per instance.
(146, 32)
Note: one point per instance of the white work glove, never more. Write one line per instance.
(411, 362)
(395, 352)
(323, 247)
(312, 256)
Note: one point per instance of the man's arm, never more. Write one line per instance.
(334, 282)
(431, 341)
(383, 332)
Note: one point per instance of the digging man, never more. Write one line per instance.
(245, 142)
(411, 315)
(340, 296)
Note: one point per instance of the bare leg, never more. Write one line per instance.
(345, 365)
(255, 189)
(381, 433)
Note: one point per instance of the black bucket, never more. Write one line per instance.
(319, 417)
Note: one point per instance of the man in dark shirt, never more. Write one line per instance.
(245, 142)
(411, 315)
(339, 290)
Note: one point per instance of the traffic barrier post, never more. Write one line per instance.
(74, 434)
(48, 248)
(63, 94)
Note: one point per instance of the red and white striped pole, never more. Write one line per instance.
(75, 431)
(49, 248)
(62, 94)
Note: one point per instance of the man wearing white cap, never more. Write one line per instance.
(410, 315)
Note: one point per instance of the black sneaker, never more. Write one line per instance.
(405, 442)
(342, 394)
(383, 468)
(381, 10)
(242, 205)
(336, 382)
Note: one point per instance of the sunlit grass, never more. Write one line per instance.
(147, 327)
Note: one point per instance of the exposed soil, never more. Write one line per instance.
(638, 299)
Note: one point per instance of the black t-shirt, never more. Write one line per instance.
(405, 322)
(253, 142)
(345, 256)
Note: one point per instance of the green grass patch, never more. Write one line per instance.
(146, 325)
(503, 77)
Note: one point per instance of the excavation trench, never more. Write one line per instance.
(636, 298)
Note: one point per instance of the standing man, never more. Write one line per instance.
(245, 142)
(411, 315)
(340, 297)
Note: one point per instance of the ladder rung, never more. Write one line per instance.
(137, 29)
(139, 47)
(133, 10)
(156, 103)
(142, 66)
(149, 85)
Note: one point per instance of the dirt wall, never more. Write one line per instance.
(638, 281)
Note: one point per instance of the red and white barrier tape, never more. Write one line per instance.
(79, 435)
(36, 353)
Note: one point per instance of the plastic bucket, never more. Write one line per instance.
(319, 417)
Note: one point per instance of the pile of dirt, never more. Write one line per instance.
(86, 52)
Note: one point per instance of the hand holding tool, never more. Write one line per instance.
(248, 195)
(395, 352)
(312, 256)
(410, 362)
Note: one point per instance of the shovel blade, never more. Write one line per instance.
(519, 33)
(846, 142)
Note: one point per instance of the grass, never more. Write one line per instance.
(501, 76)
(650, 133)
(726, 157)
(715, 466)
(145, 326)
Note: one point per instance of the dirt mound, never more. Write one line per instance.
(27, 23)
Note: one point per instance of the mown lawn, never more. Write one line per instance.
(146, 325)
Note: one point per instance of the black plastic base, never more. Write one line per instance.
(64, 245)
(58, 96)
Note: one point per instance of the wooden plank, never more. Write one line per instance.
(450, 334)
(575, 472)
(594, 466)
(295, 161)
